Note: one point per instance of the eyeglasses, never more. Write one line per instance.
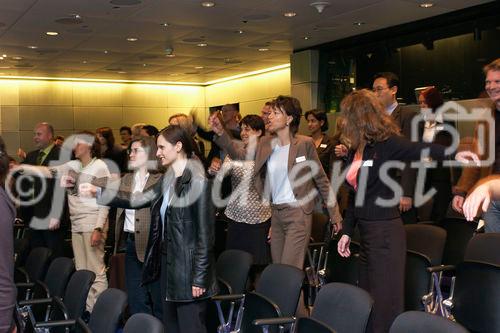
(135, 150)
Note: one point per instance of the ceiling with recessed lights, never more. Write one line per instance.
(184, 40)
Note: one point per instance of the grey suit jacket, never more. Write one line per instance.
(142, 216)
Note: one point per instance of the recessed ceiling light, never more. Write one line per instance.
(1, 58)
(170, 55)
(144, 65)
(106, 52)
(239, 31)
(32, 47)
(208, 4)
(4, 55)
(52, 33)
(426, 5)
(17, 58)
(306, 37)
(263, 49)
(359, 23)
(164, 24)
(132, 39)
(122, 72)
(289, 14)
(201, 44)
(198, 67)
(84, 62)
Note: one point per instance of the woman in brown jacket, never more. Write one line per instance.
(289, 173)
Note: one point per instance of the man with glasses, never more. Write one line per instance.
(385, 86)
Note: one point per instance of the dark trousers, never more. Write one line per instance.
(382, 269)
(141, 299)
(52, 239)
(181, 317)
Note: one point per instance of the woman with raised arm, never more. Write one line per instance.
(291, 186)
(374, 142)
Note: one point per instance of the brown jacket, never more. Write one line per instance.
(471, 175)
(301, 149)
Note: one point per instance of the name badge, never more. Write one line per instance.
(323, 145)
(368, 163)
(300, 159)
(439, 128)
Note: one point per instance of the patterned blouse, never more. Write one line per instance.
(245, 203)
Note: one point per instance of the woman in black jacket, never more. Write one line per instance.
(374, 140)
(180, 245)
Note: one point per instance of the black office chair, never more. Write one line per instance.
(475, 297)
(143, 323)
(107, 313)
(425, 244)
(35, 266)
(336, 307)
(426, 239)
(340, 269)
(458, 234)
(232, 269)
(71, 306)
(421, 322)
(338, 303)
(485, 248)
(276, 295)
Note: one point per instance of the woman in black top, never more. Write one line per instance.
(317, 123)
(374, 140)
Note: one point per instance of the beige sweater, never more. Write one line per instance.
(85, 213)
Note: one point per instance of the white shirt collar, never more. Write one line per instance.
(390, 109)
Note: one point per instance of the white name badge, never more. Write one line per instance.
(368, 163)
(300, 159)
(323, 145)
(439, 128)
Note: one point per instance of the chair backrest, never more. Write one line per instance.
(281, 284)
(477, 296)
(108, 309)
(337, 304)
(426, 239)
(258, 306)
(233, 266)
(340, 269)
(417, 280)
(142, 323)
(58, 275)
(77, 290)
(37, 263)
(311, 325)
(422, 322)
(458, 234)
(485, 248)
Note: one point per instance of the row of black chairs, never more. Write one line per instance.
(52, 297)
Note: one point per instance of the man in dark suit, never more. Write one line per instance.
(385, 85)
(44, 222)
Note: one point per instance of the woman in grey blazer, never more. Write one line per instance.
(291, 186)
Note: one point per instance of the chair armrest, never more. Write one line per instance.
(36, 301)
(61, 307)
(228, 298)
(23, 272)
(274, 321)
(226, 285)
(441, 268)
(55, 323)
(24, 285)
(82, 326)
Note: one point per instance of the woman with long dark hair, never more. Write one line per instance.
(111, 153)
(374, 141)
(180, 245)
